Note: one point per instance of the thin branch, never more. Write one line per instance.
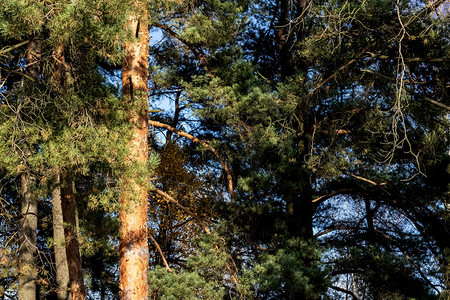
(368, 180)
(432, 6)
(354, 296)
(408, 89)
(199, 54)
(206, 145)
(183, 208)
(342, 68)
(408, 59)
(160, 252)
(4, 51)
(330, 195)
(202, 224)
(337, 228)
(424, 277)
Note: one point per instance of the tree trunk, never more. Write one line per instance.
(69, 209)
(133, 191)
(62, 270)
(284, 38)
(27, 250)
(61, 76)
(289, 31)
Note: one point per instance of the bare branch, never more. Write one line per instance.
(337, 228)
(160, 252)
(6, 50)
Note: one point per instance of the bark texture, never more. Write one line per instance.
(69, 209)
(133, 191)
(62, 270)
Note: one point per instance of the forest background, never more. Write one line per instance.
(288, 149)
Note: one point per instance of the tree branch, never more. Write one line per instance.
(198, 53)
(354, 296)
(201, 223)
(331, 195)
(408, 90)
(342, 68)
(368, 180)
(206, 145)
(183, 208)
(6, 50)
(337, 228)
(160, 252)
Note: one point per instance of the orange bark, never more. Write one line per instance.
(133, 245)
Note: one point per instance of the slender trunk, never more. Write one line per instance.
(69, 209)
(27, 250)
(133, 244)
(62, 270)
(61, 76)
(298, 185)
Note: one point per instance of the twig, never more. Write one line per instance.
(4, 51)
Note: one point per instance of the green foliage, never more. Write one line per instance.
(21, 18)
(203, 277)
(293, 271)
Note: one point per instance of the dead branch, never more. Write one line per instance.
(160, 252)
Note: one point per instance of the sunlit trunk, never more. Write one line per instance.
(133, 191)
